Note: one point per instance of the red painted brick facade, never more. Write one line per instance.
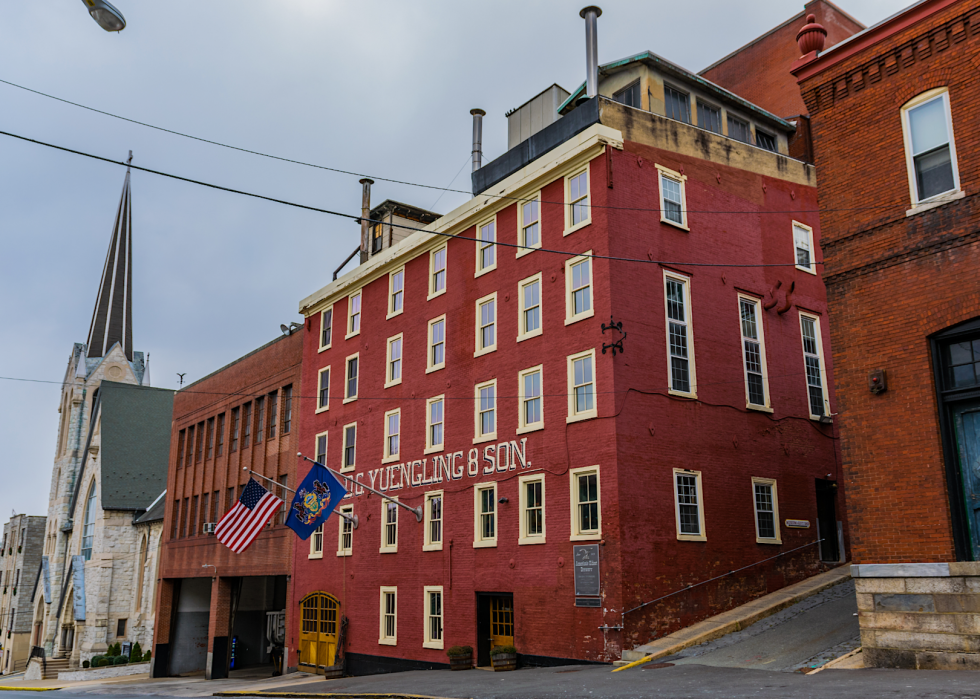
(895, 279)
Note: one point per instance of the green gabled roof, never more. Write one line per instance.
(135, 444)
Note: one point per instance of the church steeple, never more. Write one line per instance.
(112, 320)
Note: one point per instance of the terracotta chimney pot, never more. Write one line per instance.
(812, 36)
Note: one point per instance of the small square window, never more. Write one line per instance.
(323, 390)
(433, 617)
(345, 530)
(629, 95)
(803, 247)
(389, 526)
(436, 355)
(388, 635)
(392, 446)
(578, 210)
(688, 508)
(709, 118)
(393, 375)
(354, 314)
(766, 511)
(581, 386)
(326, 328)
(433, 521)
(486, 249)
(766, 141)
(529, 308)
(530, 225)
(586, 507)
(485, 413)
(578, 289)
(437, 272)
(531, 400)
(396, 292)
(532, 509)
(435, 421)
(677, 104)
(486, 325)
(485, 515)
(350, 447)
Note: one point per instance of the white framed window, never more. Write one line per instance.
(485, 412)
(529, 321)
(529, 225)
(435, 424)
(350, 377)
(578, 212)
(803, 247)
(486, 248)
(531, 499)
(349, 455)
(530, 399)
(316, 543)
(753, 353)
(326, 329)
(578, 289)
(393, 430)
(433, 521)
(393, 363)
(436, 352)
(485, 515)
(388, 633)
(321, 448)
(673, 197)
(680, 336)
(396, 292)
(353, 314)
(930, 151)
(818, 398)
(766, 503)
(586, 506)
(432, 615)
(345, 531)
(486, 324)
(323, 390)
(581, 386)
(389, 526)
(437, 271)
(688, 507)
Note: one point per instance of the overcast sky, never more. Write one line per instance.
(382, 88)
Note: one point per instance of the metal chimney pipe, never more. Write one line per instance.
(590, 14)
(365, 215)
(478, 115)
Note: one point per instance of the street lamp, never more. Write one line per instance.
(108, 17)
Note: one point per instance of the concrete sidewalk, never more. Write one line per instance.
(732, 620)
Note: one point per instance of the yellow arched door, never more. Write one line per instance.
(318, 635)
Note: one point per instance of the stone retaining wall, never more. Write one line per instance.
(101, 673)
(919, 615)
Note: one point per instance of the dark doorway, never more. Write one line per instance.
(494, 623)
(966, 430)
(827, 520)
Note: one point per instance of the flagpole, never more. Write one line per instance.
(417, 511)
(351, 518)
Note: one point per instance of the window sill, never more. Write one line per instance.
(432, 547)
(395, 313)
(314, 556)
(325, 348)
(530, 541)
(492, 436)
(393, 549)
(349, 400)
(939, 200)
(774, 542)
(809, 270)
(436, 645)
(481, 272)
(343, 553)
(675, 224)
(489, 544)
(387, 642)
(528, 336)
(691, 537)
(487, 350)
(521, 252)
(586, 537)
(435, 368)
(435, 294)
(353, 334)
(390, 459)
(324, 409)
(530, 428)
(580, 316)
(434, 450)
(582, 416)
(758, 408)
(389, 384)
(682, 394)
(348, 469)
(577, 227)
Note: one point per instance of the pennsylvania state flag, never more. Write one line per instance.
(318, 495)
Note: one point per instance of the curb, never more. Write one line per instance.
(330, 695)
(29, 689)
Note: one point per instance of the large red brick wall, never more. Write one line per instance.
(759, 71)
(893, 280)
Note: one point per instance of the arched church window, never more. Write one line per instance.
(88, 528)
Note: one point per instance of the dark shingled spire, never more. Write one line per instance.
(112, 320)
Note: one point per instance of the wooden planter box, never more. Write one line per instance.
(462, 662)
(333, 672)
(504, 661)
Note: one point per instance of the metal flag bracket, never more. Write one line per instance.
(417, 511)
(618, 344)
(350, 518)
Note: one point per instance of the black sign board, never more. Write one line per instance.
(588, 602)
(587, 570)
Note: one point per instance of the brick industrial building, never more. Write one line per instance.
(894, 113)
(560, 483)
(217, 608)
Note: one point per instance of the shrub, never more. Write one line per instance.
(136, 654)
(459, 651)
(85, 663)
(147, 655)
(500, 650)
(120, 660)
(96, 660)
(113, 650)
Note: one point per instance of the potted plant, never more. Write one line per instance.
(460, 657)
(503, 658)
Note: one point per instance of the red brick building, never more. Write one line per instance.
(894, 114)
(560, 483)
(216, 608)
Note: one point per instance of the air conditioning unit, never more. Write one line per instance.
(209, 527)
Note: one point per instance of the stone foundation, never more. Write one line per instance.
(100, 673)
(922, 616)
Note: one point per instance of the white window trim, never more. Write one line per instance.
(522, 251)
(521, 335)
(677, 177)
(431, 448)
(569, 228)
(478, 437)
(314, 553)
(319, 387)
(428, 544)
(524, 539)
(689, 314)
(569, 316)
(703, 536)
(384, 507)
(570, 377)
(350, 318)
(429, 642)
(341, 551)
(823, 364)
(382, 639)
(573, 474)
(343, 468)
(389, 381)
(478, 541)
(812, 269)
(478, 271)
(496, 325)
(391, 293)
(430, 367)
(328, 309)
(775, 511)
(356, 355)
(767, 408)
(390, 458)
(523, 427)
(943, 197)
(316, 441)
(432, 273)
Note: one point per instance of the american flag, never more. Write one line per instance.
(242, 523)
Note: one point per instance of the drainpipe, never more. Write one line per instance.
(478, 115)
(590, 14)
(365, 215)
